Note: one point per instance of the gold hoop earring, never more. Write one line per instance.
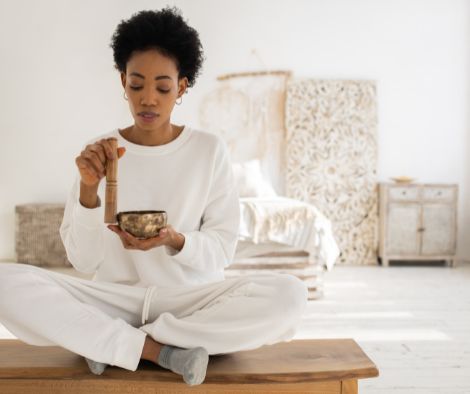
(125, 97)
(181, 100)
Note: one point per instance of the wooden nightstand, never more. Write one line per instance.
(417, 222)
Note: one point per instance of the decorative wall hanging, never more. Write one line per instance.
(247, 110)
(331, 158)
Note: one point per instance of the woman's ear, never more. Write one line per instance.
(182, 86)
(123, 79)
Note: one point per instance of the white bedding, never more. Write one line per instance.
(249, 249)
(284, 224)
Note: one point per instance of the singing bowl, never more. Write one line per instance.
(142, 224)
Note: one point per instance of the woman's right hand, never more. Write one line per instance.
(92, 161)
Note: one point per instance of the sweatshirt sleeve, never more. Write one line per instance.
(212, 247)
(82, 232)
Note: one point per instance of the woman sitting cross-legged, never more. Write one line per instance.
(163, 299)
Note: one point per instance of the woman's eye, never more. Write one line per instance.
(140, 87)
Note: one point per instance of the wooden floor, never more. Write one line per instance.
(412, 321)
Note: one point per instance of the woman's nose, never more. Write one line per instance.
(149, 97)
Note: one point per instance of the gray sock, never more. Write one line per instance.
(96, 367)
(191, 363)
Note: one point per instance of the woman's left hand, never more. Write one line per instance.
(167, 236)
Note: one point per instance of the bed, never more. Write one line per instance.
(279, 234)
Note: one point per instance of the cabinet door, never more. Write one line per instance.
(403, 223)
(439, 229)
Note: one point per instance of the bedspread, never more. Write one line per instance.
(290, 222)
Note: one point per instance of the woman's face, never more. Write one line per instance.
(152, 87)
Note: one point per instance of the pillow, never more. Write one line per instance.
(250, 180)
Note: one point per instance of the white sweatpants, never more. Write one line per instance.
(108, 322)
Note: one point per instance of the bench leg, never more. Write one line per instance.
(349, 386)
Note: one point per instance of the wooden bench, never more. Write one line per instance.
(301, 366)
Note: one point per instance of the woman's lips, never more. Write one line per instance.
(148, 117)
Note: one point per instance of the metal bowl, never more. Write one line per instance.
(142, 224)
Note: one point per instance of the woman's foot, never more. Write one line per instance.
(191, 363)
(96, 367)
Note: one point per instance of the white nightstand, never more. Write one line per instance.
(417, 222)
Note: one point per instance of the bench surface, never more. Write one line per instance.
(298, 363)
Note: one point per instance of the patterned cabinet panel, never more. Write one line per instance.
(438, 229)
(402, 237)
(418, 222)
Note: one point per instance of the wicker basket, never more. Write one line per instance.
(37, 239)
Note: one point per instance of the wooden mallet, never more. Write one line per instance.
(110, 208)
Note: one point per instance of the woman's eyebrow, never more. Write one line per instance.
(156, 78)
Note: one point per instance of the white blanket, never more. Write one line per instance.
(290, 222)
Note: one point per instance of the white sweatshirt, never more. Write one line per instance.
(191, 179)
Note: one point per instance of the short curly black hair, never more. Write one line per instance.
(164, 30)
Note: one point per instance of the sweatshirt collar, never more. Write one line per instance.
(157, 149)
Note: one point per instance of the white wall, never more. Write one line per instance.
(59, 88)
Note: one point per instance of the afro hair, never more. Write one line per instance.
(164, 30)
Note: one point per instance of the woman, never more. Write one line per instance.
(163, 299)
